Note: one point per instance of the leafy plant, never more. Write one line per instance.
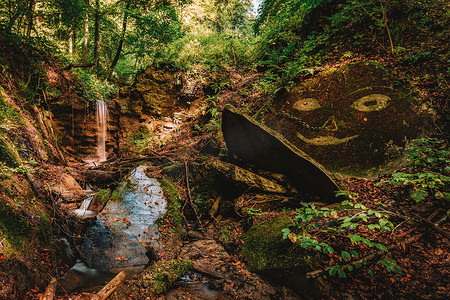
(309, 232)
(429, 166)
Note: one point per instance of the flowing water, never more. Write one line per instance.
(125, 228)
(83, 211)
(101, 116)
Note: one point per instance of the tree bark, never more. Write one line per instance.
(30, 16)
(86, 37)
(71, 34)
(96, 34)
(122, 38)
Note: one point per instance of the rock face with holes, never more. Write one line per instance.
(356, 120)
(268, 150)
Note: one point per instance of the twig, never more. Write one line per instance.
(444, 233)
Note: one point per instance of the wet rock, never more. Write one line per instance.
(126, 226)
(261, 146)
(154, 280)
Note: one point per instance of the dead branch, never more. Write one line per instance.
(110, 287)
(50, 291)
(71, 66)
(430, 224)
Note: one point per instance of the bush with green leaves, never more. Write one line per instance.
(92, 89)
(428, 171)
(316, 226)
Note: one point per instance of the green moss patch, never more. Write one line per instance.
(265, 249)
(155, 280)
(173, 208)
(13, 226)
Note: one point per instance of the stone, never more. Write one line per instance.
(267, 149)
(356, 120)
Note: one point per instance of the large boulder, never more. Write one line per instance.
(268, 150)
(356, 120)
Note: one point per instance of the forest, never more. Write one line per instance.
(233, 149)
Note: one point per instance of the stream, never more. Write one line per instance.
(121, 233)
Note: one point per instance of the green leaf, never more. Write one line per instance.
(350, 268)
(345, 255)
(419, 195)
(286, 232)
(364, 261)
(354, 253)
(332, 271)
(381, 247)
(358, 266)
(328, 249)
(341, 273)
(370, 272)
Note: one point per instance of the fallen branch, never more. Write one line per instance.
(50, 291)
(110, 287)
(70, 66)
(433, 226)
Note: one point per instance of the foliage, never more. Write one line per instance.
(429, 166)
(92, 89)
(308, 231)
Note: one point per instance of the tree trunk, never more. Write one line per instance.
(96, 34)
(71, 37)
(86, 37)
(30, 16)
(122, 38)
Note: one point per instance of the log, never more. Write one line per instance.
(70, 66)
(49, 293)
(108, 289)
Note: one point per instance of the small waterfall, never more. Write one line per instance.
(84, 211)
(101, 116)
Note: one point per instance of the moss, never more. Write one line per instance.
(102, 197)
(13, 226)
(8, 153)
(167, 273)
(225, 234)
(173, 170)
(7, 112)
(116, 196)
(173, 211)
(265, 249)
(45, 231)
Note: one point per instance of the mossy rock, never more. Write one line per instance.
(13, 226)
(173, 208)
(266, 251)
(155, 280)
